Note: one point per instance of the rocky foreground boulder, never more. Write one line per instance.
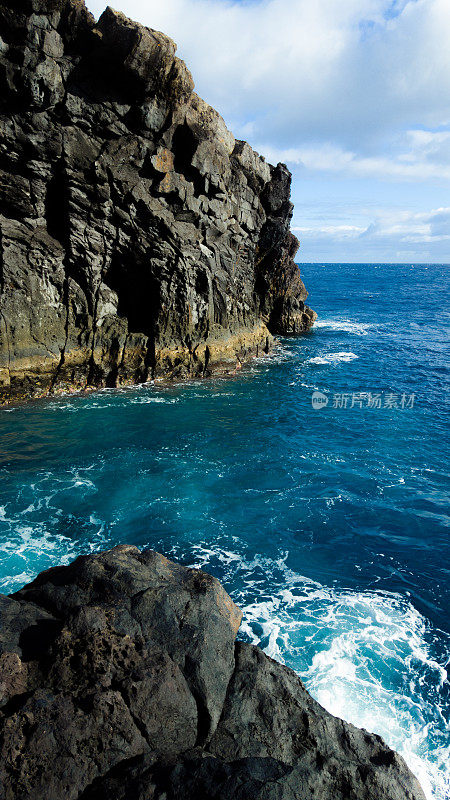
(138, 238)
(120, 679)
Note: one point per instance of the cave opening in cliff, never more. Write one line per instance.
(184, 146)
(130, 276)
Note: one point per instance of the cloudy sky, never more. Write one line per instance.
(354, 95)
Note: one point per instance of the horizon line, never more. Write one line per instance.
(379, 263)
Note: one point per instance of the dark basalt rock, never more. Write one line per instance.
(120, 678)
(138, 239)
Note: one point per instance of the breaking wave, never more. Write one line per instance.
(365, 656)
(344, 325)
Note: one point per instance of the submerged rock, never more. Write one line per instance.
(138, 238)
(120, 678)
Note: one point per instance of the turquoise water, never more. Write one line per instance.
(329, 527)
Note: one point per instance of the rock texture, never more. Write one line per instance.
(120, 678)
(138, 238)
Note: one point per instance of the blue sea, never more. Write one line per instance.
(328, 525)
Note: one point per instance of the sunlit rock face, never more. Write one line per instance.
(138, 238)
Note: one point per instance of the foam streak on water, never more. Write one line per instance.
(344, 325)
(332, 358)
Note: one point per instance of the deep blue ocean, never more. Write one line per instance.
(328, 526)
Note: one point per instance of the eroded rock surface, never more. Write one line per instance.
(138, 238)
(120, 678)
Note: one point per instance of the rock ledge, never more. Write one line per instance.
(120, 678)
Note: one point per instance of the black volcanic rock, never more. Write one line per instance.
(138, 238)
(120, 678)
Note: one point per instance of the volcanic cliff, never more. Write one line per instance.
(120, 679)
(138, 238)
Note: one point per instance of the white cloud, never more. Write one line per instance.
(336, 231)
(428, 157)
(417, 235)
(405, 225)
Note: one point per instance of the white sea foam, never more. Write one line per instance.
(108, 398)
(365, 656)
(344, 325)
(279, 355)
(41, 546)
(332, 358)
(152, 399)
(31, 534)
(35, 544)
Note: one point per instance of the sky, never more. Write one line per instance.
(353, 95)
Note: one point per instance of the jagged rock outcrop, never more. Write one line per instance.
(120, 678)
(137, 238)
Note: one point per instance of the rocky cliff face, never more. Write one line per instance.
(137, 238)
(120, 678)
